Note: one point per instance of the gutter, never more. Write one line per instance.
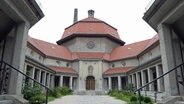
(155, 59)
(151, 11)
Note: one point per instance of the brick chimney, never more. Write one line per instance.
(91, 13)
(75, 18)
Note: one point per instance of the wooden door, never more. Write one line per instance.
(90, 83)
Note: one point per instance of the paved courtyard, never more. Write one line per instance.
(87, 99)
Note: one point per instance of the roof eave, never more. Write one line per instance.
(59, 42)
(152, 10)
(149, 48)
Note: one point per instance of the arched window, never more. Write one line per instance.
(90, 70)
(123, 63)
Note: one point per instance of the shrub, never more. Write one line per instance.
(116, 92)
(29, 91)
(65, 90)
(59, 91)
(110, 92)
(119, 95)
(35, 94)
(127, 93)
(133, 99)
(141, 97)
(55, 92)
(130, 87)
(38, 99)
(147, 100)
(50, 98)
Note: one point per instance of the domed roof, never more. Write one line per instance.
(90, 27)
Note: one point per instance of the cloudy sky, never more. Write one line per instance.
(125, 15)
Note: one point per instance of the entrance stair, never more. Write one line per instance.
(172, 100)
(90, 92)
(12, 99)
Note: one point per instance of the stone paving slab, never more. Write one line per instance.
(87, 99)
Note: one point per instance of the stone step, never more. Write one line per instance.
(170, 100)
(89, 93)
(12, 99)
(6, 102)
(179, 102)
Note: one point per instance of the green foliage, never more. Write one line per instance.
(122, 95)
(55, 92)
(142, 98)
(128, 93)
(29, 91)
(50, 98)
(133, 99)
(147, 100)
(35, 94)
(130, 87)
(114, 92)
(65, 90)
(129, 96)
(60, 91)
(38, 99)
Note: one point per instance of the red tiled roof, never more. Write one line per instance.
(89, 27)
(106, 56)
(63, 69)
(50, 49)
(128, 51)
(152, 41)
(91, 19)
(122, 52)
(117, 70)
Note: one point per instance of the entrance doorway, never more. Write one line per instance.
(90, 83)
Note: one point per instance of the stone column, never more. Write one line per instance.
(18, 58)
(119, 83)
(159, 81)
(61, 81)
(138, 80)
(36, 74)
(129, 79)
(32, 76)
(25, 72)
(71, 82)
(44, 78)
(48, 80)
(133, 80)
(51, 84)
(143, 76)
(168, 59)
(81, 79)
(150, 78)
(25, 68)
(100, 75)
(105, 84)
(39, 76)
(52, 81)
(110, 83)
(74, 83)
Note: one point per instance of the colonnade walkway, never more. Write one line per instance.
(87, 99)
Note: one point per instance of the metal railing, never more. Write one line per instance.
(5, 69)
(139, 89)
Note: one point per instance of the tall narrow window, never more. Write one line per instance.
(90, 70)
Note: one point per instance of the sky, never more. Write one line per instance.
(125, 15)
